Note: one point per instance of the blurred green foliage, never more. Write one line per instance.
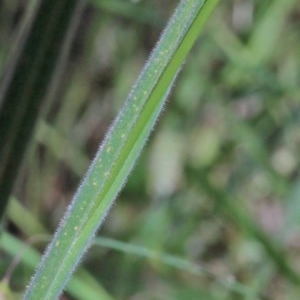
(229, 137)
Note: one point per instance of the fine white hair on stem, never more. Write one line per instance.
(118, 152)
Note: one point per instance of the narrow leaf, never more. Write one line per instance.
(44, 36)
(82, 286)
(119, 151)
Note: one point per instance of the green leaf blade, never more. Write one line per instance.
(39, 54)
(119, 150)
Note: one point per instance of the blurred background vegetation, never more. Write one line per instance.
(218, 184)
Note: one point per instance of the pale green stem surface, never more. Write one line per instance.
(119, 151)
(82, 285)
